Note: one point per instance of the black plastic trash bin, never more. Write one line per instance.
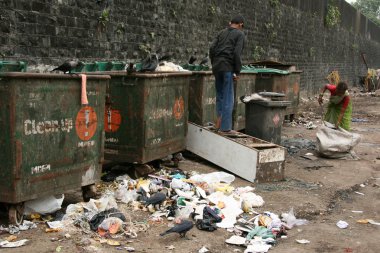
(264, 119)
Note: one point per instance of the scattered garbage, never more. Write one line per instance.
(169, 66)
(310, 125)
(359, 193)
(253, 96)
(13, 229)
(359, 120)
(342, 224)
(203, 250)
(294, 145)
(170, 247)
(14, 244)
(370, 221)
(303, 241)
(291, 221)
(236, 240)
(185, 199)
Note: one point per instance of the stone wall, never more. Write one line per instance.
(50, 31)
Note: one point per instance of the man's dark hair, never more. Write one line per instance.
(342, 87)
(237, 19)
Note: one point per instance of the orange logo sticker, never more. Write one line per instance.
(112, 120)
(86, 123)
(296, 88)
(276, 120)
(179, 108)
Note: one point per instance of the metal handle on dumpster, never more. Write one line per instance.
(265, 75)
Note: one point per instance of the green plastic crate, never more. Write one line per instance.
(13, 66)
(103, 65)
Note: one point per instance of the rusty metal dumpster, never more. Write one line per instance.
(202, 98)
(279, 77)
(49, 142)
(146, 115)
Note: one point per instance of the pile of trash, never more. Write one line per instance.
(187, 200)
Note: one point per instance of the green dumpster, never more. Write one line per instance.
(202, 98)
(279, 77)
(146, 115)
(49, 142)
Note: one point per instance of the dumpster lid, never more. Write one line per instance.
(271, 103)
(47, 75)
(271, 71)
(144, 75)
(276, 65)
(271, 94)
(270, 63)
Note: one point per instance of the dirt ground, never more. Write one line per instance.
(323, 195)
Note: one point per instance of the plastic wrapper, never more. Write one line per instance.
(44, 205)
(291, 220)
(213, 178)
(111, 224)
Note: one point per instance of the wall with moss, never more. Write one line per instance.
(316, 36)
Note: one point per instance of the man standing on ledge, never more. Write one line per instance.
(225, 55)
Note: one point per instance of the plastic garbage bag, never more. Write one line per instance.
(214, 177)
(44, 205)
(335, 143)
(209, 218)
(99, 205)
(179, 184)
(251, 200)
(184, 213)
(291, 220)
(111, 225)
(97, 219)
(125, 195)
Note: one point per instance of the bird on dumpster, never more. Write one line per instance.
(68, 66)
(192, 59)
(204, 61)
(150, 63)
(157, 199)
(131, 68)
(182, 228)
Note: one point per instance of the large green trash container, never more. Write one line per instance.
(49, 142)
(202, 98)
(146, 115)
(282, 78)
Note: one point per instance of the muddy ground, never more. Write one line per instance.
(323, 195)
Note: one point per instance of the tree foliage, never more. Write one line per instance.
(370, 8)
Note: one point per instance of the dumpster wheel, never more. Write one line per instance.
(88, 192)
(16, 213)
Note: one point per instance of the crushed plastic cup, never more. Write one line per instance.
(342, 224)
